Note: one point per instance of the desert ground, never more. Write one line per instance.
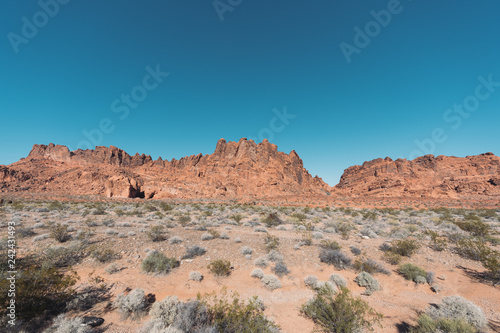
(106, 243)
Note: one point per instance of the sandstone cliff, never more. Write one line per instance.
(426, 176)
(235, 169)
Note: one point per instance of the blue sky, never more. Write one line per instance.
(229, 78)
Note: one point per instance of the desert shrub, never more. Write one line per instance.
(392, 258)
(426, 324)
(228, 313)
(111, 232)
(237, 217)
(166, 207)
(207, 236)
(237, 240)
(112, 268)
(311, 281)
(299, 216)
(257, 273)
(166, 310)
(344, 229)
(155, 233)
(405, 247)
(175, 240)
(260, 229)
(457, 307)
(411, 272)
(55, 205)
(108, 222)
(184, 220)
(488, 213)
(261, 262)
(84, 236)
(62, 324)
(246, 250)
(99, 211)
(133, 305)
(306, 239)
(474, 225)
(472, 248)
(429, 278)
(272, 220)
(194, 251)
(317, 235)
(41, 237)
(275, 256)
(385, 247)
(224, 235)
(338, 280)
(103, 255)
(173, 316)
(366, 280)
(340, 313)
(91, 223)
(280, 269)
(59, 232)
(220, 267)
(335, 258)
(437, 243)
(369, 266)
(195, 276)
(491, 261)
(60, 256)
(157, 262)
(271, 242)
(271, 282)
(23, 232)
(355, 250)
(328, 244)
(214, 233)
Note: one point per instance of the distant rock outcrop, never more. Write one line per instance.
(243, 169)
(425, 176)
(235, 169)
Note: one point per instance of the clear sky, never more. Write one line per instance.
(340, 82)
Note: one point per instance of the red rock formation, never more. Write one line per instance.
(425, 176)
(235, 169)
